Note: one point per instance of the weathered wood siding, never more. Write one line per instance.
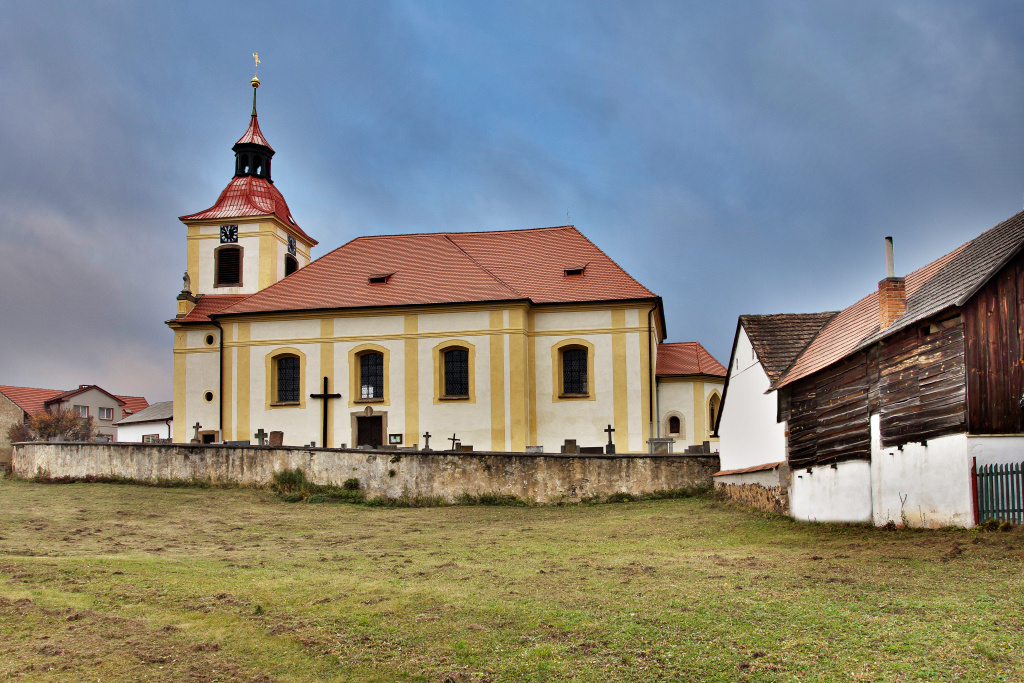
(829, 419)
(922, 382)
(992, 320)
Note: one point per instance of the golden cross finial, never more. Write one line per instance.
(256, 58)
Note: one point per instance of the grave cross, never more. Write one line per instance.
(426, 440)
(454, 441)
(197, 427)
(261, 436)
(610, 448)
(325, 397)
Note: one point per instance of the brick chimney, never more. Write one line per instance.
(892, 292)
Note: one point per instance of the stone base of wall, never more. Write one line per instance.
(541, 478)
(769, 498)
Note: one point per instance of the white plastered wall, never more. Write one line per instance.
(675, 397)
(748, 433)
(832, 493)
(134, 431)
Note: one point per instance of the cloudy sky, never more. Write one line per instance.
(735, 157)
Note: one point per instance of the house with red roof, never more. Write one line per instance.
(20, 404)
(883, 411)
(497, 341)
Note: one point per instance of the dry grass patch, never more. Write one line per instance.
(114, 582)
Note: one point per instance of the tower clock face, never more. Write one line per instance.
(228, 234)
(291, 245)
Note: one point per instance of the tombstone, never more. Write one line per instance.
(535, 449)
(661, 446)
(465, 448)
(592, 450)
(276, 438)
(570, 447)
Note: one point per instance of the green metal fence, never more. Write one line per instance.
(1000, 492)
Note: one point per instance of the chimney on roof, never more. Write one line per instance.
(892, 291)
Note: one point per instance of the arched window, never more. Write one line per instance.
(291, 264)
(371, 375)
(287, 371)
(713, 404)
(673, 425)
(228, 266)
(456, 372)
(574, 371)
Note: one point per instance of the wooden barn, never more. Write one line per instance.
(890, 403)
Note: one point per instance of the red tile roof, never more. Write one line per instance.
(132, 404)
(253, 135)
(32, 401)
(445, 268)
(852, 325)
(687, 358)
(207, 305)
(250, 196)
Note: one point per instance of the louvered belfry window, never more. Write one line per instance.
(574, 371)
(371, 375)
(456, 372)
(288, 379)
(229, 267)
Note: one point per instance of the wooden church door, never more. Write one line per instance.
(370, 431)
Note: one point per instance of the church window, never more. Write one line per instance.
(574, 371)
(228, 266)
(713, 404)
(291, 264)
(456, 372)
(673, 425)
(371, 375)
(287, 379)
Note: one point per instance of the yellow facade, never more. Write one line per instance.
(514, 398)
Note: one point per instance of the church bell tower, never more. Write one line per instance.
(248, 239)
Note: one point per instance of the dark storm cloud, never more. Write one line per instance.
(734, 157)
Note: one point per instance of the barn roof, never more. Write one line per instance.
(948, 281)
(778, 339)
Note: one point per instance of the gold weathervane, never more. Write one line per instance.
(255, 79)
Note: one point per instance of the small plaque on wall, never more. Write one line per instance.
(394, 439)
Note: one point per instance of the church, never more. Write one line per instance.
(514, 341)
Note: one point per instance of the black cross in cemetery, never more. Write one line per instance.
(197, 427)
(610, 448)
(426, 441)
(261, 437)
(454, 441)
(325, 397)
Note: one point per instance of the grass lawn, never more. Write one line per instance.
(123, 583)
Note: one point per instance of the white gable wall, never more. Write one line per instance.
(748, 433)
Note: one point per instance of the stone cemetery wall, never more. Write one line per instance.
(542, 478)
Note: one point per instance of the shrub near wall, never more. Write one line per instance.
(541, 478)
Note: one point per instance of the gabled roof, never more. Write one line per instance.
(686, 358)
(945, 282)
(253, 135)
(71, 393)
(443, 268)
(247, 196)
(778, 339)
(207, 305)
(158, 412)
(31, 401)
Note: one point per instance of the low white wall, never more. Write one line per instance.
(839, 493)
(922, 485)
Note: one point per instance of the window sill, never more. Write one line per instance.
(228, 284)
(369, 400)
(574, 396)
(280, 404)
(460, 397)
